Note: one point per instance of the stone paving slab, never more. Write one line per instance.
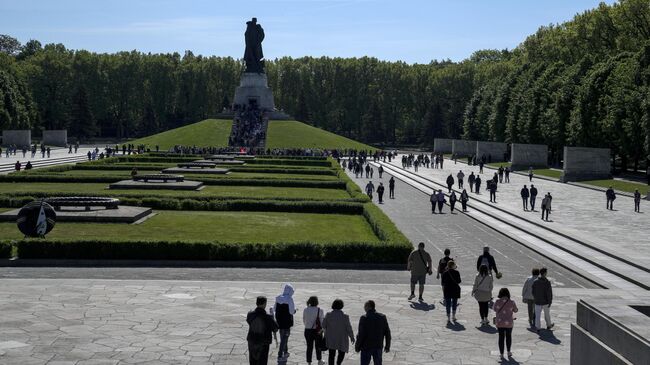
(184, 322)
(577, 211)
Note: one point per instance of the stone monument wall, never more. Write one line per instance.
(524, 156)
(56, 137)
(584, 163)
(462, 148)
(254, 86)
(442, 145)
(22, 137)
(495, 149)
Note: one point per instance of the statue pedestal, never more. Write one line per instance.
(254, 86)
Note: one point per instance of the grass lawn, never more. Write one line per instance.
(293, 134)
(496, 165)
(221, 191)
(210, 132)
(620, 185)
(233, 175)
(555, 174)
(219, 226)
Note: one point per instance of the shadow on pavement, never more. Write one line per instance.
(423, 306)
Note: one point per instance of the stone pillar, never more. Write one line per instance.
(495, 149)
(463, 148)
(442, 145)
(56, 137)
(254, 86)
(20, 138)
(584, 163)
(523, 156)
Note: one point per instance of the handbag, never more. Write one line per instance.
(429, 271)
(320, 339)
(494, 319)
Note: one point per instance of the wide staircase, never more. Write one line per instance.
(249, 127)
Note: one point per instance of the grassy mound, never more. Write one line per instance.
(209, 132)
(281, 134)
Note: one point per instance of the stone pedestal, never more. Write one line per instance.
(584, 163)
(254, 86)
(524, 156)
(495, 149)
(463, 148)
(19, 138)
(442, 145)
(56, 138)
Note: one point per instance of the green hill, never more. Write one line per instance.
(281, 134)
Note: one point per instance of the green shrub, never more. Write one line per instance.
(382, 226)
(289, 162)
(5, 250)
(352, 252)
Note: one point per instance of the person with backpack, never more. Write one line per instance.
(528, 298)
(482, 292)
(451, 289)
(419, 264)
(338, 333)
(611, 196)
(488, 260)
(505, 309)
(312, 318)
(543, 296)
(464, 198)
(260, 328)
(284, 310)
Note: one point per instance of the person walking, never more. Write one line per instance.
(370, 188)
(441, 201)
(442, 267)
(611, 196)
(500, 172)
(488, 260)
(471, 179)
(261, 326)
(450, 182)
(380, 193)
(525, 194)
(338, 333)
(451, 289)
(433, 198)
(530, 173)
(477, 184)
(545, 208)
(461, 177)
(313, 318)
(284, 310)
(543, 297)
(419, 264)
(380, 170)
(505, 309)
(492, 187)
(367, 171)
(507, 171)
(482, 292)
(528, 298)
(373, 331)
(391, 188)
(372, 172)
(533, 196)
(452, 201)
(480, 166)
(464, 198)
(637, 201)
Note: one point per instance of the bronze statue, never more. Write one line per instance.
(253, 55)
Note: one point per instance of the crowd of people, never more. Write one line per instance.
(248, 127)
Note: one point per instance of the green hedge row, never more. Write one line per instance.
(5, 250)
(288, 162)
(287, 157)
(150, 167)
(352, 252)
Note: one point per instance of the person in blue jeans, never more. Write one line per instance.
(284, 310)
(373, 330)
(451, 290)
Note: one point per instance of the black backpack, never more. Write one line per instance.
(282, 316)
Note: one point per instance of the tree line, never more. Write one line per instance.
(585, 82)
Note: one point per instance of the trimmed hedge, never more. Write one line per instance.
(351, 252)
(270, 161)
(152, 167)
(5, 250)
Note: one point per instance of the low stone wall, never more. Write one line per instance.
(584, 163)
(524, 156)
(495, 149)
(21, 137)
(610, 332)
(442, 145)
(56, 137)
(463, 148)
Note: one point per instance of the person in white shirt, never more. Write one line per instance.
(312, 318)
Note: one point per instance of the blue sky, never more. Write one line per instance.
(411, 31)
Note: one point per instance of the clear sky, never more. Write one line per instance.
(411, 31)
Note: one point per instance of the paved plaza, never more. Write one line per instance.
(78, 321)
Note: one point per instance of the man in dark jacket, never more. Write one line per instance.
(373, 329)
(492, 187)
(543, 296)
(380, 192)
(477, 183)
(611, 196)
(450, 182)
(391, 188)
(524, 197)
(533, 196)
(260, 327)
(488, 260)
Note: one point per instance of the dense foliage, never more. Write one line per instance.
(585, 82)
